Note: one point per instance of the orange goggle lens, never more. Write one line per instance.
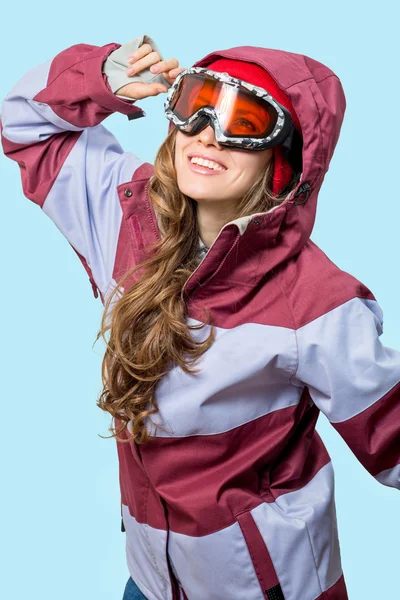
(240, 113)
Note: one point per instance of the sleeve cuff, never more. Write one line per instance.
(117, 62)
(98, 87)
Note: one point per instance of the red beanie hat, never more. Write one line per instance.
(253, 73)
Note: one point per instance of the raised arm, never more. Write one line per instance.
(70, 164)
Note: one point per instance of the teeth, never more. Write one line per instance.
(206, 163)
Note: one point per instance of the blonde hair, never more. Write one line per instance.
(147, 325)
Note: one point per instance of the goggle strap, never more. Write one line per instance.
(293, 154)
(287, 143)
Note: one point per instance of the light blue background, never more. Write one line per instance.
(60, 512)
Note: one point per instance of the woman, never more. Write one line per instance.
(227, 490)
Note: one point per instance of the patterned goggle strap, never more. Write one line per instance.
(241, 114)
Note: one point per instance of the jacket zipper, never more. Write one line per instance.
(176, 595)
(175, 583)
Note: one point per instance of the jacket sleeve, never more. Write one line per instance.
(354, 380)
(70, 164)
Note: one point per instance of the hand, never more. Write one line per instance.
(144, 58)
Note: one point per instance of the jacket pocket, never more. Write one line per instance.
(260, 557)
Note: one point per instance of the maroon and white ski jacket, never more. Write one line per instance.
(236, 499)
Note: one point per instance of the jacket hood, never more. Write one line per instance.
(319, 101)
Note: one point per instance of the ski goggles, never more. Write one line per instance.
(243, 116)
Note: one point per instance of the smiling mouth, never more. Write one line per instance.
(203, 170)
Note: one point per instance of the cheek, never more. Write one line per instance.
(179, 164)
(179, 152)
(249, 169)
(254, 164)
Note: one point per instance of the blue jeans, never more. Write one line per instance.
(132, 591)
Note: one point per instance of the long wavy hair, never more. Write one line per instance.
(148, 332)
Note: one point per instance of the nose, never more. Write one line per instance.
(207, 136)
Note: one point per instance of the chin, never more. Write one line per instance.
(196, 193)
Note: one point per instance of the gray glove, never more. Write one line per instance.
(117, 62)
